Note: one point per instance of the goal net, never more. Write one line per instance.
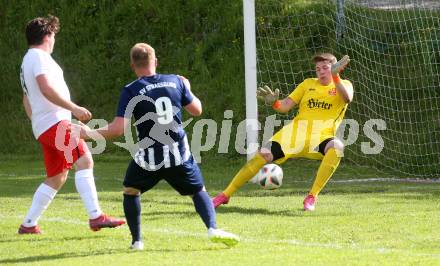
(395, 51)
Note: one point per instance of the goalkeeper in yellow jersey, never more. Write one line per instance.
(322, 102)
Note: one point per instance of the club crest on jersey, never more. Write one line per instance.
(332, 92)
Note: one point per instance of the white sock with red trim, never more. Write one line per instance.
(42, 198)
(85, 185)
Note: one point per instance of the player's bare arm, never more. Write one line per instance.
(345, 91)
(112, 130)
(285, 105)
(195, 107)
(27, 106)
(52, 95)
(272, 98)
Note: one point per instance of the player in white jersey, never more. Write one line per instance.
(47, 103)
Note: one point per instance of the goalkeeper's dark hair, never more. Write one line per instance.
(39, 27)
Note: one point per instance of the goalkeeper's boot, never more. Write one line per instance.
(137, 245)
(309, 203)
(29, 230)
(105, 221)
(220, 236)
(220, 199)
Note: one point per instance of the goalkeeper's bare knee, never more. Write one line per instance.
(272, 151)
(334, 143)
(266, 154)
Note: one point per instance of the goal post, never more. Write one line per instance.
(250, 57)
(395, 70)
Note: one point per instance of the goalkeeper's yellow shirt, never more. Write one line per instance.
(320, 103)
(321, 110)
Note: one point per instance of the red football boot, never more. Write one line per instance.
(29, 230)
(105, 221)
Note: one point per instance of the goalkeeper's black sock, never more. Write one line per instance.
(132, 210)
(204, 207)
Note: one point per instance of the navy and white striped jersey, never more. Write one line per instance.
(156, 104)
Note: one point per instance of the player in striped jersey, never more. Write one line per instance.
(156, 102)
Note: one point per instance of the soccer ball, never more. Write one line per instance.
(270, 176)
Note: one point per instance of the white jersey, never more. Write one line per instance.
(45, 114)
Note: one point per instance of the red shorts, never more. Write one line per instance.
(60, 149)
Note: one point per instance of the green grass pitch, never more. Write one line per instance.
(355, 223)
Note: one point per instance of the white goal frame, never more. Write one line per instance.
(250, 63)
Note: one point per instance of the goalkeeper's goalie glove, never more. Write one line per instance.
(267, 95)
(339, 66)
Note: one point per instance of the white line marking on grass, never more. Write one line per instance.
(380, 180)
(397, 180)
(293, 242)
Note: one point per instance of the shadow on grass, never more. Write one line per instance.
(55, 257)
(173, 213)
(36, 238)
(288, 212)
(403, 189)
(42, 258)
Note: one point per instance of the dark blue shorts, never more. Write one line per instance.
(185, 179)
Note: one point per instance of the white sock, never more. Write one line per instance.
(42, 198)
(85, 185)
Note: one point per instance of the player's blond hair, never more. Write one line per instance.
(142, 54)
(324, 57)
